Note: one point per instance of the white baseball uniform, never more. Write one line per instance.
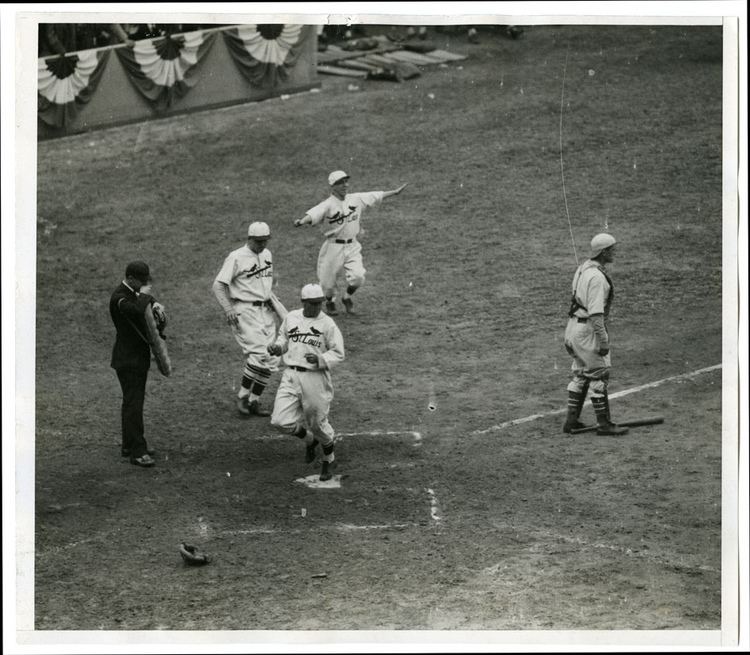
(340, 221)
(305, 392)
(592, 294)
(249, 278)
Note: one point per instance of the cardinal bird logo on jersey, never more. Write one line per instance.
(311, 338)
(338, 218)
(256, 271)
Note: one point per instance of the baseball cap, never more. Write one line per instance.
(337, 176)
(139, 270)
(259, 229)
(312, 292)
(601, 242)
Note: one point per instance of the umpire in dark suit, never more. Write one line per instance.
(131, 355)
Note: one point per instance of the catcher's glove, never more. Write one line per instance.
(191, 556)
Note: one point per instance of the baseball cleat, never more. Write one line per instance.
(255, 408)
(243, 406)
(331, 308)
(348, 305)
(144, 460)
(325, 474)
(572, 425)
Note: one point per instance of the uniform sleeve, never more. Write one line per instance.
(282, 338)
(596, 294)
(228, 270)
(335, 342)
(368, 198)
(318, 213)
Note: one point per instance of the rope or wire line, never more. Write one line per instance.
(562, 168)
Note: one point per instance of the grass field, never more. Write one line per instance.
(444, 520)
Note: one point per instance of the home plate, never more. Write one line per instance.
(314, 482)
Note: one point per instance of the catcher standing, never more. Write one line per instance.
(243, 289)
(587, 338)
(311, 344)
(339, 216)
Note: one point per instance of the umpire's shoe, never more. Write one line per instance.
(325, 473)
(144, 460)
(255, 408)
(331, 308)
(348, 305)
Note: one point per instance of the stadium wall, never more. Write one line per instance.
(217, 80)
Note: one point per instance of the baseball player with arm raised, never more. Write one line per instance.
(311, 345)
(339, 216)
(587, 338)
(243, 288)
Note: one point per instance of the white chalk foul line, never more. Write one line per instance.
(433, 506)
(618, 394)
(417, 436)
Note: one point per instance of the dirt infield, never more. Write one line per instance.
(442, 521)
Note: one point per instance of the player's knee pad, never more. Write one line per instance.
(598, 387)
(578, 385)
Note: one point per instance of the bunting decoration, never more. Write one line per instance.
(162, 69)
(66, 82)
(263, 53)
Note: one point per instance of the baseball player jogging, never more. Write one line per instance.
(243, 289)
(339, 216)
(587, 338)
(311, 344)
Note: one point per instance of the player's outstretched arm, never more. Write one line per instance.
(394, 192)
(305, 220)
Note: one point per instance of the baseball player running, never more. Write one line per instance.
(339, 216)
(243, 289)
(587, 338)
(311, 345)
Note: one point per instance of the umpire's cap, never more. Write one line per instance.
(259, 230)
(139, 270)
(601, 242)
(337, 176)
(312, 292)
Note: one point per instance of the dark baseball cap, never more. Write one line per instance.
(138, 270)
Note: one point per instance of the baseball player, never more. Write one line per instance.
(587, 338)
(311, 344)
(243, 289)
(339, 216)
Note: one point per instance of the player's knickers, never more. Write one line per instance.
(304, 397)
(256, 331)
(587, 362)
(333, 257)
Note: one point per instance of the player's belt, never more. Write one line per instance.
(343, 240)
(300, 368)
(582, 320)
(257, 303)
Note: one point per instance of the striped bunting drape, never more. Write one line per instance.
(66, 82)
(263, 53)
(162, 69)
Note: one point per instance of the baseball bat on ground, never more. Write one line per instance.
(632, 423)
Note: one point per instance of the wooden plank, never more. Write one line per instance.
(444, 55)
(337, 70)
(415, 58)
(358, 64)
